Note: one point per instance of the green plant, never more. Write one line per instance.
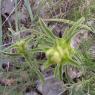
(59, 52)
(28, 71)
(27, 4)
(22, 50)
(76, 9)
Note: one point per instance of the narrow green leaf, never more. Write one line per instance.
(71, 32)
(27, 4)
(47, 64)
(67, 22)
(45, 29)
(58, 71)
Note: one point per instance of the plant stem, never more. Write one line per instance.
(27, 4)
(66, 21)
(33, 67)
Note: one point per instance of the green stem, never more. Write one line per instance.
(68, 22)
(74, 63)
(27, 4)
(33, 67)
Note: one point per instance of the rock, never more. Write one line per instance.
(52, 86)
(59, 29)
(78, 38)
(74, 73)
(7, 6)
(32, 93)
(8, 9)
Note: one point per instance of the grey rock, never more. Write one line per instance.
(31, 93)
(78, 38)
(7, 6)
(52, 86)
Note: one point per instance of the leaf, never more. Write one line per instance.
(58, 72)
(46, 30)
(71, 32)
(47, 64)
(67, 22)
(33, 66)
(77, 90)
(27, 4)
